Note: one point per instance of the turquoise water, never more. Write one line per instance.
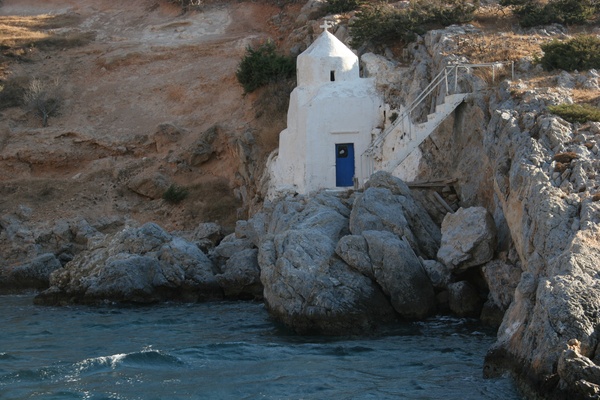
(230, 350)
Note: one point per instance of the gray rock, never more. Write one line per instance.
(578, 374)
(229, 246)
(206, 235)
(468, 239)
(502, 279)
(306, 285)
(241, 276)
(565, 80)
(310, 290)
(354, 250)
(202, 149)
(391, 263)
(139, 265)
(400, 274)
(438, 274)
(32, 275)
(166, 135)
(152, 186)
(386, 204)
(464, 300)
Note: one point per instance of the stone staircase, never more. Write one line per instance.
(407, 136)
(394, 144)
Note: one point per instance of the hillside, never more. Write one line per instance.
(149, 100)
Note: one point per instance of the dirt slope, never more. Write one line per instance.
(147, 65)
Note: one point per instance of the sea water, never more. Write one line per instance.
(231, 350)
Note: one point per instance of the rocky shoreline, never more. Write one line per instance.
(329, 263)
(522, 253)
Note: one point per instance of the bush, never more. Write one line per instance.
(263, 65)
(12, 92)
(576, 112)
(342, 6)
(43, 98)
(446, 12)
(580, 53)
(568, 12)
(381, 22)
(175, 194)
(186, 5)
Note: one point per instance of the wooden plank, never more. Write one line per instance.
(436, 183)
(443, 202)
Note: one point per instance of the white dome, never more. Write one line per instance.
(327, 60)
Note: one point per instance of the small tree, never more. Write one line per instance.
(262, 66)
(43, 98)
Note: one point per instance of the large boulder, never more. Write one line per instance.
(438, 274)
(387, 205)
(464, 299)
(502, 279)
(578, 375)
(138, 265)
(392, 264)
(240, 276)
(229, 246)
(468, 239)
(31, 275)
(306, 285)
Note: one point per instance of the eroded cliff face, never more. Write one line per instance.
(149, 101)
(537, 175)
(545, 180)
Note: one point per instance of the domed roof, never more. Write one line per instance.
(327, 46)
(327, 60)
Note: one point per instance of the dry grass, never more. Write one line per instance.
(494, 18)
(586, 96)
(490, 47)
(25, 31)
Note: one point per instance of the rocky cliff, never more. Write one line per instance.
(537, 176)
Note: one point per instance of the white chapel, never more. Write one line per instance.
(331, 115)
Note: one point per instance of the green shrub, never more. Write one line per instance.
(568, 12)
(12, 92)
(380, 22)
(581, 53)
(175, 194)
(263, 65)
(576, 112)
(186, 5)
(341, 6)
(445, 12)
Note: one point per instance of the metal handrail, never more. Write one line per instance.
(436, 82)
(441, 77)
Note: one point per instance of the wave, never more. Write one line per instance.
(7, 357)
(145, 359)
(140, 359)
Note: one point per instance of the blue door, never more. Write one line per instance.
(344, 164)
